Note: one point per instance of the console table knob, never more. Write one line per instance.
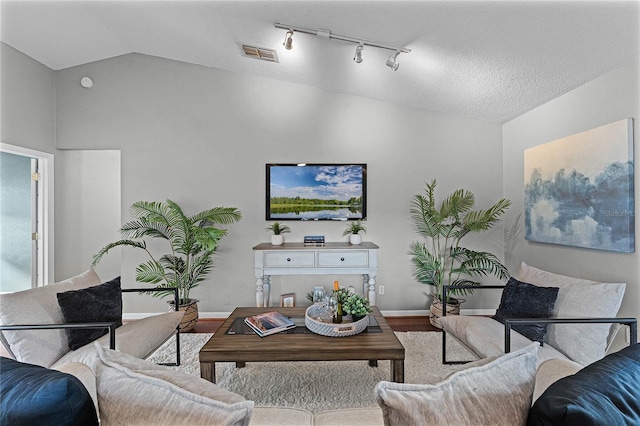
(342, 259)
(288, 259)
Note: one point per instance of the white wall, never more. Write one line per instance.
(202, 136)
(27, 120)
(609, 98)
(27, 115)
(91, 190)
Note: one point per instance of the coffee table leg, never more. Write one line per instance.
(397, 370)
(373, 363)
(240, 364)
(208, 371)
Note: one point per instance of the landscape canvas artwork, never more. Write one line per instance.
(579, 189)
(316, 191)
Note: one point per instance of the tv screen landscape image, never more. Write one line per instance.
(316, 191)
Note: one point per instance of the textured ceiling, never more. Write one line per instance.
(481, 59)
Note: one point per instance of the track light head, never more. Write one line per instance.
(358, 56)
(392, 62)
(288, 40)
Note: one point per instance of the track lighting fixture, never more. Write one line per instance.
(392, 62)
(358, 57)
(288, 40)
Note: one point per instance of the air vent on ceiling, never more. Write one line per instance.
(260, 53)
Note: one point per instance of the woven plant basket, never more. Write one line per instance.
(435, 312)
(344, 329)
(190, 314)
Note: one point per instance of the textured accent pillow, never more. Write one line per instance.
(606, 392)
(137, 392)
(100, 303)
(39, 306)
(578, 298)
(523, 300)
(34, 395)
(496, 393)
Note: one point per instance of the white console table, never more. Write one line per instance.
(300, 259)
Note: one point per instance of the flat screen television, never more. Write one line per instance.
(316, 191)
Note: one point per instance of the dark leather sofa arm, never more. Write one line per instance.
(508, 323)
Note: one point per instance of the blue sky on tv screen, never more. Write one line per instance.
(322, 182)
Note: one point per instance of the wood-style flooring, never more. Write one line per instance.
(417, 323)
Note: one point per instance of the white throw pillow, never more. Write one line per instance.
(39, 306)
(578, 298)
(136, 392)
(496, 393)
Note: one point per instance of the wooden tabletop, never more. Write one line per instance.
(241, 348)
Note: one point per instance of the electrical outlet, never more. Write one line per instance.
(380, 289)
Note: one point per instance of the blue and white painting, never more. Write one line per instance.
(579, 189)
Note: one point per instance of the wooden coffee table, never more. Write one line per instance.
(243, 348)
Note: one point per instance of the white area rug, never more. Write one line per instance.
(318, 386)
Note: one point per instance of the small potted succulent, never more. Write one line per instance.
(356, 306)
(277, 238)
(353, 230)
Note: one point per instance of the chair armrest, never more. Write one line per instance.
(111, 326)
(631, 322)
(176, 298)
(176, 295)
(446, 288)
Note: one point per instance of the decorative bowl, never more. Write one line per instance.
(312, 320)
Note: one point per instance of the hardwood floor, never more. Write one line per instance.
(417, 323)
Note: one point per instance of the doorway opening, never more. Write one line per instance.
(26, 212)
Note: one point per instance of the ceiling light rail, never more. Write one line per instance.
(392, 62)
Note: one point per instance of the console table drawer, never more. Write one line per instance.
(343, 259)
(293, 259)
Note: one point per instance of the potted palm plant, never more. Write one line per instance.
(441, 259)
(277, 239)
(192, 242)
(353, 230)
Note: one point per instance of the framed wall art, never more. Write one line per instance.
(579, 189)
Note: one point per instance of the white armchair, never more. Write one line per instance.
(33, 329)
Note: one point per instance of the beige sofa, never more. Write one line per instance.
(131, 391)
(577, 299)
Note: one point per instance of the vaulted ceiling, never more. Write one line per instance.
(479, 59)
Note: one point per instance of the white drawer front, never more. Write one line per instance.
(293, 259)
(345, 259)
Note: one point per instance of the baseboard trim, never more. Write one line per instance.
(403, 313)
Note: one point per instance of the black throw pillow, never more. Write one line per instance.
(606, 392)
(34, 395)
(524, 300)
(100, 303)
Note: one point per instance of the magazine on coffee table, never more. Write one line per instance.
(269, 323)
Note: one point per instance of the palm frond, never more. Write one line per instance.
(425, 218)
(428, 267)
(104, 250)
(221, 215)
(483, 220)
(143, 228)
(150, 272)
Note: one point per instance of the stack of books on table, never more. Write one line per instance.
(269, 323)
(313, 240)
